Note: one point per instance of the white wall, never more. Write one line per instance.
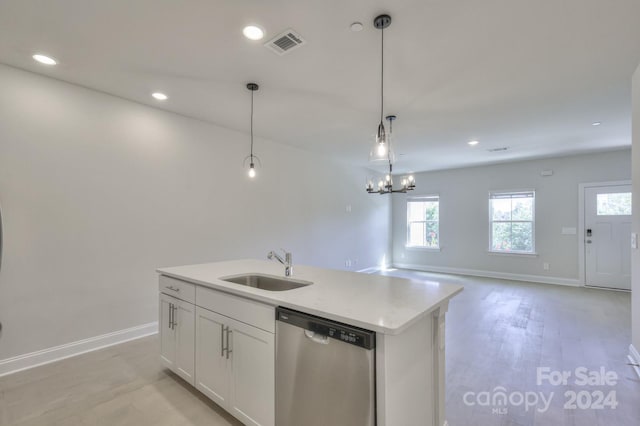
(464, 228)
(97, 192)
(635, 254)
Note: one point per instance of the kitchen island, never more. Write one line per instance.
(199, 312)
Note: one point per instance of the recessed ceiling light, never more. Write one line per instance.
(596, 123)
(44, 59)
(160, 96)
(252, 32)
(356, 27)
(473, 143)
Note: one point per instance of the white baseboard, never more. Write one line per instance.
(491, 274)
(634, 357)
(374, 269)
(46, 356)
(371, 270)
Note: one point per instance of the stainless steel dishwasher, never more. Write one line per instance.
(325, 372)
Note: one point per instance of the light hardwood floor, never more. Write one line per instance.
(498, 334)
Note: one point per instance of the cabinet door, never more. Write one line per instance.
(212, 366)
(167, 331)
(185, 316)
(252, 374)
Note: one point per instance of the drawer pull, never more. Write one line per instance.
(173, 289)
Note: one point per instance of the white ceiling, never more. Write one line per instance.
(528, 75)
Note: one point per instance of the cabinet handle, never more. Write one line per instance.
(175, 309)
(221, 339)
(170, 314)
(173, 289)
(228, 341)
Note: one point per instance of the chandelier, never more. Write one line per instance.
(385, 184)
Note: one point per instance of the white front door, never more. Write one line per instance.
(607, 236)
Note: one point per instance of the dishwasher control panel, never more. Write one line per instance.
(343, 332)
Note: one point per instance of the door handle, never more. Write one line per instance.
(175, 310)
(588, 241)
(229, 331)
(221, 339)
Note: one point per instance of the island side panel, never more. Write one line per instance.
(410, 374)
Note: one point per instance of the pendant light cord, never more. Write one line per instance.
(251, 126)
(382, 78)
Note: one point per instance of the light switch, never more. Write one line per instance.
(634, 240)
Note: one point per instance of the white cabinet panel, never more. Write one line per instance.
(212, 375)
(253, 374)
(167, 332)
(177, 336)
(185, 315)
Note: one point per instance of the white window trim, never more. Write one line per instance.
(423, 248)
(533, 225)
(419, 198)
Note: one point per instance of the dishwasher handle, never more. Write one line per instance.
(317, 338)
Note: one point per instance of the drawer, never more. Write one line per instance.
(179, 289)
(244, 310)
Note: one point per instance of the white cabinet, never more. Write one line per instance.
(222, 344)
(177, 336)
(235, 367)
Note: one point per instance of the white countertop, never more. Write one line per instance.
(384, 304)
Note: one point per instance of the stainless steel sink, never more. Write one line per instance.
(266, 282)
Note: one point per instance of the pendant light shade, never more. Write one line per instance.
(252, 159)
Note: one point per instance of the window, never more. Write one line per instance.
(423, 222)
(614, 204)
(511, 216)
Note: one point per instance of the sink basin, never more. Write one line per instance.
(266, 282)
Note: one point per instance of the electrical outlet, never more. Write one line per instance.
(545, 266)
(348, 208)
(347, 263)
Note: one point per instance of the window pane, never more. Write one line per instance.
(614, 204)
(501, 209)
(431, 210)
(522, 236)
(501, 237)
(522, 209)
(432, 235)
(416, 234)
(415, 211)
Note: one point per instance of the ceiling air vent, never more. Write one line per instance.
(504, 148)
(285, 42)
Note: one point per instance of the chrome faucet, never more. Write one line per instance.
(288, 267)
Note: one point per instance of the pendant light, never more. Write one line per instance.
(385, 184)
(380, 152)
(252, 158)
